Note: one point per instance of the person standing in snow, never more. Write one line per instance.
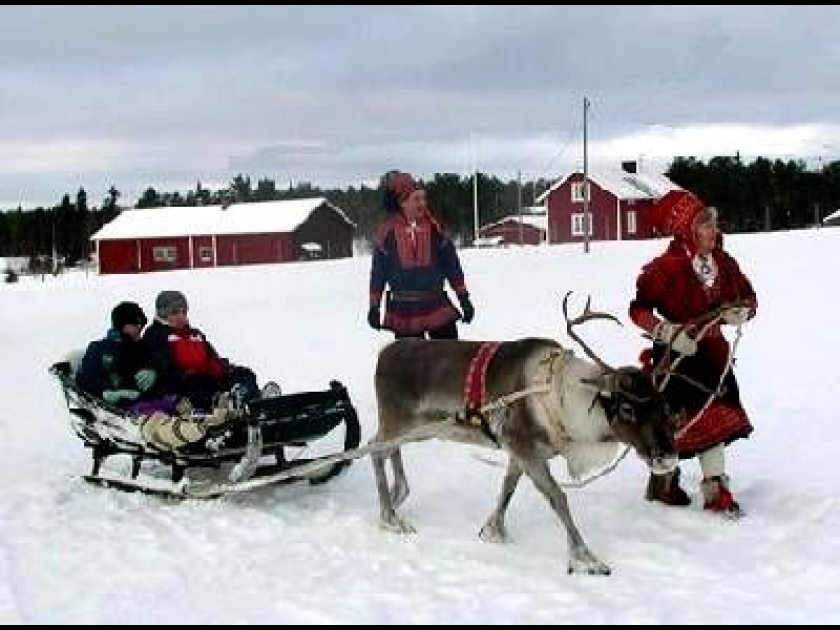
(413, 257)
(692, 278)
(117, 368)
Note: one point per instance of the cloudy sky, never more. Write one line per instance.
(167, 96)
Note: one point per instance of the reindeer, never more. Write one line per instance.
(576, 406)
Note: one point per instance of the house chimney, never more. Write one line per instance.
(629, 166)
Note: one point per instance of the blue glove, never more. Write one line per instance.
(116, 396)
(145, 379)
(466, 307)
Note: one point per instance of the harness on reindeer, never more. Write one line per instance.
(485, 414)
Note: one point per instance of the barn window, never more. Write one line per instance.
(631, 222)
(165, 254)
(206, 254)
(578, 221)
(577, 192)
(312, 251)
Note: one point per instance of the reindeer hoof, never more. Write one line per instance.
(587, 564)
(597, 569)
(492, 534)
(396, 525)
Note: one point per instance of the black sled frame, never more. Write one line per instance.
(266, 428)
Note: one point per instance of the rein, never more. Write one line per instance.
(733, 347)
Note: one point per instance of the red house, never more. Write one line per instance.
(619, 202)
(525, 229)
(158, 239)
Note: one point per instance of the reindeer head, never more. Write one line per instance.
(636, 410)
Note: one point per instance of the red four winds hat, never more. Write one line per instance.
(675, 213)
(401, 184)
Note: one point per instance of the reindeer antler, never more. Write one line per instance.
(588, 314)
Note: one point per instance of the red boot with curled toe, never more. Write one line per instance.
(718, 497)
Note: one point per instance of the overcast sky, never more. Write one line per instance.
(167, 96)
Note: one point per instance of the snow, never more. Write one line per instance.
(73, 553)
(655, 184)
(622, 184)
(15, 263)
(834, 216)
(245, 218)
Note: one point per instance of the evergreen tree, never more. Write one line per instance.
(266, 190)
(240, 188)
(149, 199)
(765, 194)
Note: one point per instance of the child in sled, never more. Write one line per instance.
(189, 367)
(116, 368)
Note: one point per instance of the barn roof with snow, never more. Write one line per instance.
(832, 218)
(244, 218)
(539, 221)
(162, 239)
(622, 184)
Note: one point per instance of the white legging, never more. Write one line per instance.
(713, 462)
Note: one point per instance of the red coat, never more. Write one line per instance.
(669, 288)
(194, 355)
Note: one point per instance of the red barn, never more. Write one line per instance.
(157, 239)
(525, 229)
(619, 202)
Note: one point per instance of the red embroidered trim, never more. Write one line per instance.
(413, 324)
(718, 423)
(414, 245)
(475, 386)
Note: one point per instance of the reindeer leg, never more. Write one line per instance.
(388, 518)
(494, 529)
(581, 559)
(400, 489)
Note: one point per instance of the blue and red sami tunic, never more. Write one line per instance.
(413, 260)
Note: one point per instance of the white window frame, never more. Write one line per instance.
(578, 222)
(632, 225)
(205, 254)
(577, 192)
(165, 253)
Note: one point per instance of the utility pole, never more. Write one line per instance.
(519, 204)
(54, 246)
(476, 226)
(586, 217)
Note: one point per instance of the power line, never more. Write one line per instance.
(575, 129)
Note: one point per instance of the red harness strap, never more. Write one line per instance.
(475, 386)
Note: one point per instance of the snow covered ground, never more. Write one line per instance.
(72, 553)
